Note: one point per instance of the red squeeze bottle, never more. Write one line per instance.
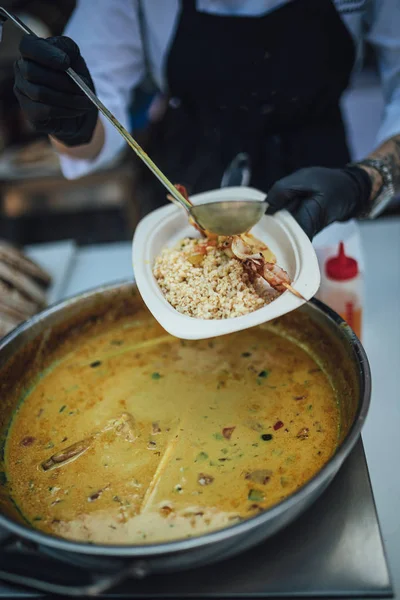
(343, 289)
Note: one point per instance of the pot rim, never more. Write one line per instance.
(174, 547)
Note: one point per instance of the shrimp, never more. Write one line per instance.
(274, 275)
(257, 266)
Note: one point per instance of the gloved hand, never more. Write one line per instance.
(51, 101)
(317, 196)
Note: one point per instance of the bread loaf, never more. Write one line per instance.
(23, 286)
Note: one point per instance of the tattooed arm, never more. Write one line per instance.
(389, 152)
(318, 196)
(381, 20)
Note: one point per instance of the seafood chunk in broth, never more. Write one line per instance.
(132, 436)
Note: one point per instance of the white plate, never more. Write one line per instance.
(165, 226)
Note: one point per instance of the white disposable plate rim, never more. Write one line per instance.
(305, 276)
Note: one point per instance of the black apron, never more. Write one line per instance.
(269, 86)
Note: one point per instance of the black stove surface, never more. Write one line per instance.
(333, 550)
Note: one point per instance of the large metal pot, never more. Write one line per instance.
(24, 351)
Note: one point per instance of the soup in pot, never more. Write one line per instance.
(132, 436)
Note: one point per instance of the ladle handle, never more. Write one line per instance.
(110, 117)
(130, 140)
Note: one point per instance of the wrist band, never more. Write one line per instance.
(385, 194)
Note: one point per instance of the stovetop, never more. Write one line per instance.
(335, 549)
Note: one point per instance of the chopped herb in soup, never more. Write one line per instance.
(137, 437)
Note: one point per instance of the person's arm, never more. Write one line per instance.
(88, 151)
(382, 22)
(389, 153)
(113, 51)
(109, 55)
(319, 196)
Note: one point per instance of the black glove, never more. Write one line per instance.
(318, 196)
(50, 100)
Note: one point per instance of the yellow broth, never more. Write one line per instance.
(133, 436)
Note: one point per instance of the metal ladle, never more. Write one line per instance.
(243, 214)
(222, 218)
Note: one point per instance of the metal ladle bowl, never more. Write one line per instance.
(229, 217)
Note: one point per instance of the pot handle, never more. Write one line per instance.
(34, 570)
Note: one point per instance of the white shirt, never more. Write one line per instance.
(120, 39)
